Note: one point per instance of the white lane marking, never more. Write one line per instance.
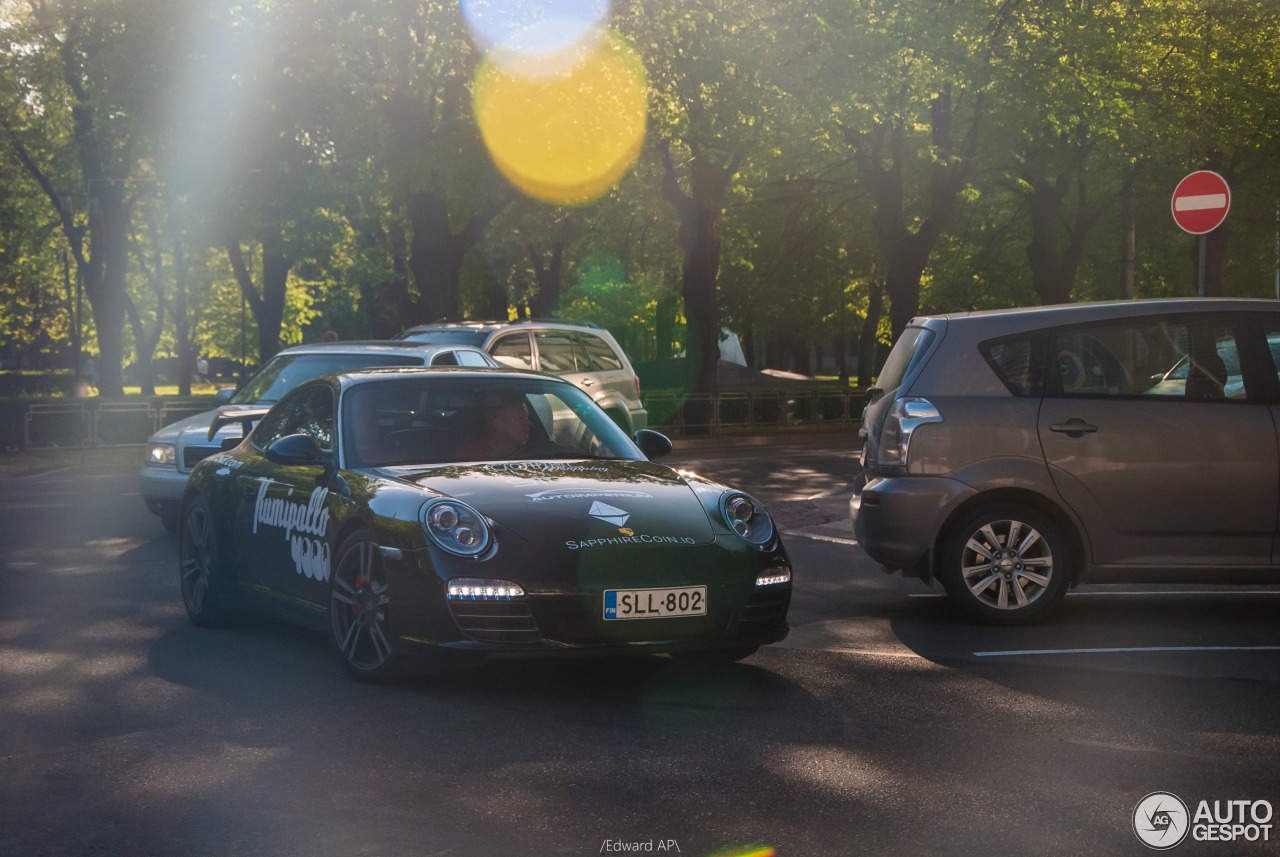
(818, 538)
(44, 473)
(1203, 202)
(1108, 594)
(1139, 649)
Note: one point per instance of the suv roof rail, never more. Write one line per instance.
(485, 323)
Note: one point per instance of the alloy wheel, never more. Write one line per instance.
(1006, 564)
(359, 602)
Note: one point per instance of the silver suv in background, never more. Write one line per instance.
(178, 447)
(583, 354)
(1012, 454)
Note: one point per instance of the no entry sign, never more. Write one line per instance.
(1201, 201)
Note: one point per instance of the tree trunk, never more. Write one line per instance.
(436, 252)
(701, 223)
(400, 299)
(906, 242)
(182, 324)
(867, 338)
(275, 283)
(549, 278)
(105, 282)
(1128, 234)
(267, 308)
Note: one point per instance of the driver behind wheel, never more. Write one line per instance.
(505, 431)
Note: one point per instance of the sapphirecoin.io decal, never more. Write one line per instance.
(310, 556)
(641, 539)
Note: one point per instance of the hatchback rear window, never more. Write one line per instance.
(907, 353)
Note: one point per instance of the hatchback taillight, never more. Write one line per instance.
(637, 387)
(904, 417)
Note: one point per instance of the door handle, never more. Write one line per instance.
(1074, 427)
(587, 382)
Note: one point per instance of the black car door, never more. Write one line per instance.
(287, 511)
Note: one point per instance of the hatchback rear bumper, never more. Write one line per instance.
(896, 520)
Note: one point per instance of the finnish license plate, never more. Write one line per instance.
(655, 603)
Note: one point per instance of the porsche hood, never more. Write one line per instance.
(580, 504)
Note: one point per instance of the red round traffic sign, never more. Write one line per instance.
(1201, 202)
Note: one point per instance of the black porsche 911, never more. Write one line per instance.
(412, 513)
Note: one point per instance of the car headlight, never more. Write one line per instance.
(456, 527)
(161, 455)
(747, 518)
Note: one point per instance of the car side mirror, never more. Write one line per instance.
(297, 449)
(653, 444)
(224, 396)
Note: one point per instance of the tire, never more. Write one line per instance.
(199, 564)
(1001, 585)
(360, 612)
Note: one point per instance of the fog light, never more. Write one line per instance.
(774, 577)
(481, 589)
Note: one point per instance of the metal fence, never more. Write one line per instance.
(703, 413)
(103, 424)
(107, 424)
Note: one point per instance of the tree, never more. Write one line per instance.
(905, 89)
(84, 78)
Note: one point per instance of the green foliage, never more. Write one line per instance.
(316, 120)
(628, 309)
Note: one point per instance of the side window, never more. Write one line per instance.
(514, 351)
(1271, 329)
(555, 352)
(1193, 359)
(471, 358)
(1018, 361)
(602, 356)
(309, 412)
(445, 358)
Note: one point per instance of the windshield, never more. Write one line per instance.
(460, 420)
(286, 371)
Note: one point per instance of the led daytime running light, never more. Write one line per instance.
(781, 575)
(480, 589)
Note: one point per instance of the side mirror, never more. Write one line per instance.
(224, 396)
(297, 449)
(653, 444)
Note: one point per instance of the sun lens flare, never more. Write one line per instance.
(510, 31)
(568, 137)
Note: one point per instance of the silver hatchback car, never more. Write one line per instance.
(1012, 454)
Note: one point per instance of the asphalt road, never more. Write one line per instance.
(885, 724)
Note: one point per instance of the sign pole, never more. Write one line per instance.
(1200, 287)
